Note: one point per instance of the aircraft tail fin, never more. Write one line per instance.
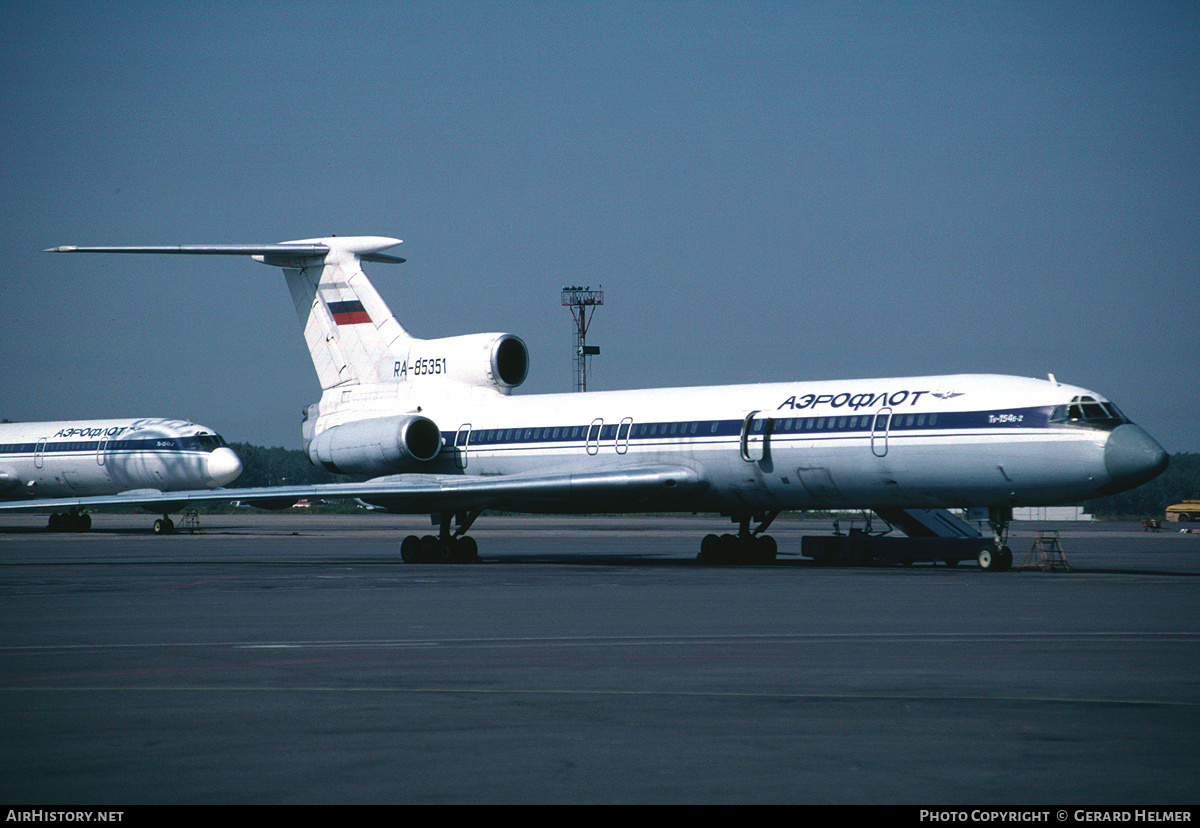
(351, 334)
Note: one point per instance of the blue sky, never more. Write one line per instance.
(766, 191)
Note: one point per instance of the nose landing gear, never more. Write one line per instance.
(997, 558)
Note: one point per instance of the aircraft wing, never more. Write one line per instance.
(649, 487)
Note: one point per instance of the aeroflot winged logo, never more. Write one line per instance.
(344, 306)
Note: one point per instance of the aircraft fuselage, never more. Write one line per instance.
(915, 442)
(102, 457)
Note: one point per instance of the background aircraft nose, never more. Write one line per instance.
(223, 467)
(1131, 457)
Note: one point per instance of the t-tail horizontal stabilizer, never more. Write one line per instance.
(350, 332)
(364, 248)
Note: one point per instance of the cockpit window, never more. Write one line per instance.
(210, 442)
(1088, 411)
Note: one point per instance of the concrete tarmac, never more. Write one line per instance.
(291, 658)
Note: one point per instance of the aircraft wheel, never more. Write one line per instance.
(708, 549)
(56, 522)
(728, 549)
(81, 522)
(431, 551)
(765, 549)
(466, 550)
(992, 559)
(164, 526)
(410, 550)
(1005, 559)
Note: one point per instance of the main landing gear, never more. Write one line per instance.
(77, 521)
(447, 546)
(746, 547)
(72, 521)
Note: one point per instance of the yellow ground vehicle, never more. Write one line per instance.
(1184, 512)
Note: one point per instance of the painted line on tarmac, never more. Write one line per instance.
(702, 694)
(636, 640)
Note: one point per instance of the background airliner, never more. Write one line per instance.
(108, 461)
(434, 426)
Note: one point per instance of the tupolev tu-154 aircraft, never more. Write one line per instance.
(434, 427)
(110, 462)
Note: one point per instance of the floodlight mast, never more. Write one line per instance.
(583, 302)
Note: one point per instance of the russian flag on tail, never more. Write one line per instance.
(349, 313)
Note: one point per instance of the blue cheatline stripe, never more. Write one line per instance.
(641, 433)
(782, 427)
(156, 444)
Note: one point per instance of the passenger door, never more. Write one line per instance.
(593, 435)
(623, 431)
(462, 440)
(756, 435)
(879, 432)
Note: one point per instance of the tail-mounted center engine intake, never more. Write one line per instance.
(499, 361)
(385, 445)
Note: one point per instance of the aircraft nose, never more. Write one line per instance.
(1131, 457)
(223, 467)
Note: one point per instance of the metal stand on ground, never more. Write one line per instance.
(1047, 553)
(190, 522)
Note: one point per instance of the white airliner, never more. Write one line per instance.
(434, 426)
(108, 461)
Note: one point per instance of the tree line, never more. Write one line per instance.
(1181, 481)
(278, 467)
